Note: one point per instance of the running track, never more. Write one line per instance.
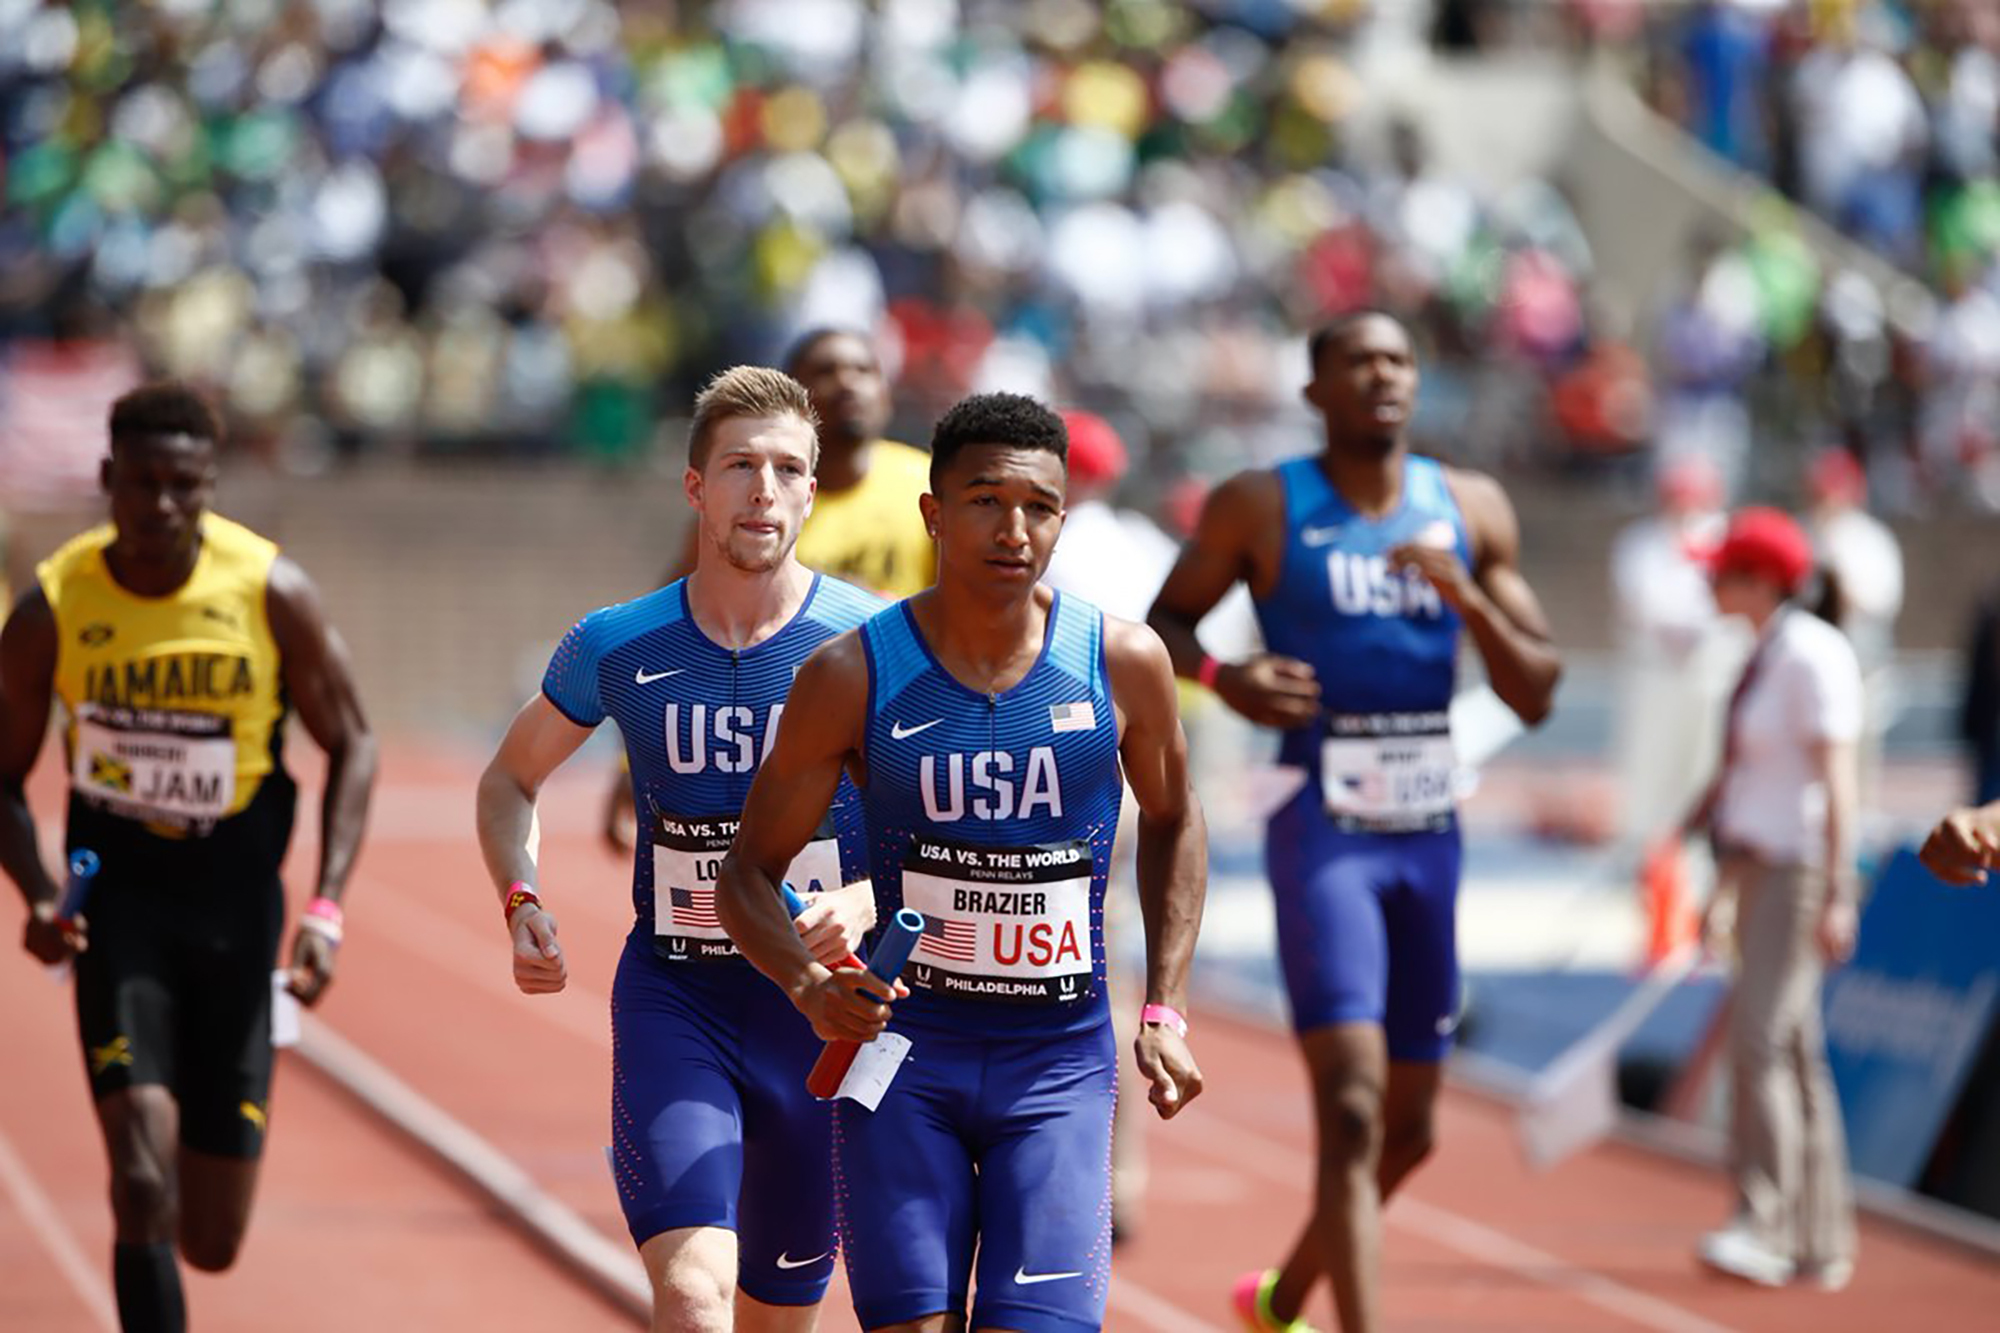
(358, 1228)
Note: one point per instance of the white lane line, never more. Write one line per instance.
(39, 1213)
(1478, 1241)
(1156, 1312)
(1287, 1166)
(610, 1267)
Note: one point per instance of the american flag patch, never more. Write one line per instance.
(1073, 717)
(946, 939)
(694, 907)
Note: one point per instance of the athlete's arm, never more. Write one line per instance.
(536, 744)
(319, 680)
(1173, 848)
(1239, 539)
(1500, 610)
(1838, 765)
(1964, 845)
(27, 682)
(793, 789)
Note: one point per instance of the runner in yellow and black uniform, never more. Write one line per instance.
(176, 643)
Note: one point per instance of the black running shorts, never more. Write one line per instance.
(175, 987)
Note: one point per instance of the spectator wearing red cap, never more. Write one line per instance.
(1113, 558)
(1781, 813)
(1866, 563)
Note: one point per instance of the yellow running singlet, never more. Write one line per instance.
(174, 704)
(872, 534)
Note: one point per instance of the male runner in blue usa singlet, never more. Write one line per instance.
(1366, 565)
(721, 1157)
(986, 721)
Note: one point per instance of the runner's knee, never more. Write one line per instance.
(1350, 1126)
(142, 1198)
(691, 1298)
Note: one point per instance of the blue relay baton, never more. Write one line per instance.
(885, 964)
(83, 868)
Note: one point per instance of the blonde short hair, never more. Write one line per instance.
(747, 391)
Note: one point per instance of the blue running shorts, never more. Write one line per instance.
(711, 1124)
(1367, 927)
(1002, 1140)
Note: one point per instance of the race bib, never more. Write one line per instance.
(1389, 772)
(687, 857)
(155, 764)
(1009, 924)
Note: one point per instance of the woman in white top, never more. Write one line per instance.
(1782, 815)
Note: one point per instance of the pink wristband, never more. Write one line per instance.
(1206, 673)
(517, 893)
(323, 917)
(1166, 1015)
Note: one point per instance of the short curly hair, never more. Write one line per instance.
(167, 407)
(1011, 420)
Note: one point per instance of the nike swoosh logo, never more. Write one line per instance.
(1023, 1278)
(897, 731)
(642, 677)
(1320, 536)
(786, 1261)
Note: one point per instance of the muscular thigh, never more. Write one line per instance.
(1420, 917)
(786, 1215)
(906, 1185)
(1327, 890)
(1045, 1184)
(223, 1021)
(676, 1100)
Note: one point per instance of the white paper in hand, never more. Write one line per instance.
(873, 1068)
(1482, 725)
(284, 1012)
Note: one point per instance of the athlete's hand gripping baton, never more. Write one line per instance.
(795, 905)
(83, 868)
(886, 965)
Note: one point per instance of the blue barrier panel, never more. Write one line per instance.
(1905, 1019)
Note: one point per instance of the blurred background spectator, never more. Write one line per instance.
(1865, 563)
(1676, 657)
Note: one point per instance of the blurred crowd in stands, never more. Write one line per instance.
(461, 226)
(1883, 118)
(527, 227)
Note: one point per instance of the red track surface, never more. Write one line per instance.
(357, 1229)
